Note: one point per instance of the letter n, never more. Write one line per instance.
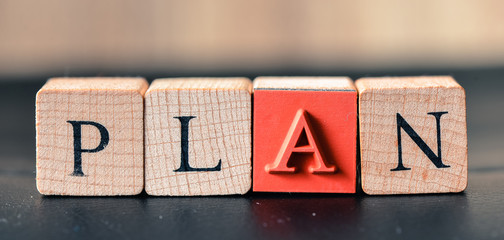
(435, 159)
(300, 124)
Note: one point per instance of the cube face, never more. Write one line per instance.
(198, 137)
(331, 117)
(393, 112)
(69, 107)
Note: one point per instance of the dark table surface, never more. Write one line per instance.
(477, 213)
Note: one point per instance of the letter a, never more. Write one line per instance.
(299, 124)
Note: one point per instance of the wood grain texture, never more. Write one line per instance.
(220, 130)
(380, 100)
(304, 83)
(115, 103)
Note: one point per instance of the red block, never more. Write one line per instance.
(305, 131)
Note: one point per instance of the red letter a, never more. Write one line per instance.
(299, 124)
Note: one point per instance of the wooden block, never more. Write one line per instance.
(413, 135)
(198, 136)
(305, 133)
(90, 136)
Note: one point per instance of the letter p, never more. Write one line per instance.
(104, 139)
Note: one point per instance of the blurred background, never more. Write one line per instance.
(61, 37)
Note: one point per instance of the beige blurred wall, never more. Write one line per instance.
(62, 35)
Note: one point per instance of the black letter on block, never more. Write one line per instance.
(184, 145)
(401, 123)
(78, 144)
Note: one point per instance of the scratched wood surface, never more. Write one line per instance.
(219, 130)
(115, 103)
(380, 99)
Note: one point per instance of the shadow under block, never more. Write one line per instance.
(413, 135)
(198, 137)
(90, 136)
(305, 133)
